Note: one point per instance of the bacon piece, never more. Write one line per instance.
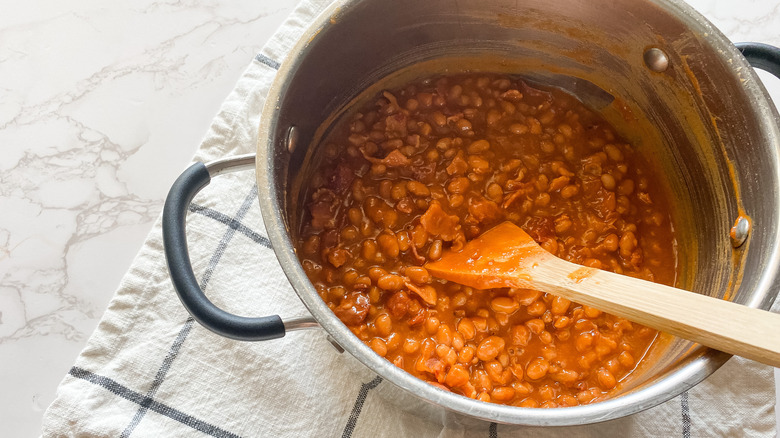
(394, 159)
(341, 179)
(512, 95)
(458, 166)
(520, 190)
(438, 223)
(603, 203)
(540, 228)
(428, 294)
(395, 125)
(323, 209)
(398, 304)
(338, 256)
(484, 210)
(418, 317)
(417, 257)
(424, 172)
(535, 92)
(353, 309)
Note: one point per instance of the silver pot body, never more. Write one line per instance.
(705, 118)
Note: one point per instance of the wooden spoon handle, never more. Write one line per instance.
(716, 323)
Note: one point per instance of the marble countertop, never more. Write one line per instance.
(103, 104)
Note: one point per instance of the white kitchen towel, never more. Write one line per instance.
(150, 371)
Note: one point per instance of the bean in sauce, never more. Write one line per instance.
(427, 167)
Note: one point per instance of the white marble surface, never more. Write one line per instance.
(102, 104)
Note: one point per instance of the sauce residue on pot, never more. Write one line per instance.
(430, 166)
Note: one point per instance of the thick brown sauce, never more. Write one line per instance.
(434, 164)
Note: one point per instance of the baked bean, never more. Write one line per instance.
(418, 274)
(536, 325)
(383, 324)
(626, 359)
(562, 224)
(466, 355)
(525, 297)
(458, 185)
(570, 191)
(613, 365)
(457, 341)
(483, 149)
(478, 164)
(456, 201)
(480, 323)
(561, 322)
(410, 346)
(503, 393)
(608, 181)
(419, 236)
(379, 346)
(489, 348)
(504, 305)
(388, 243)
(559, 305)
(627, 244)
(390, 282)
(457, 376)
(432, 324)
(565, 376)
(463, 125)
(398, 191)
(568, 400)
(604, 346)
(393, 342)
(536, 309)
(495, 371)
(519, 335)
(374, 273)
(626, 187)
(537, 368)
(610, 242)
(417, 188)
(606, 379)
(444, 335)
(434, 253)
(583, 342)
(592, 313)
(613, 152)
(478, 147)
(542, 199)
(350, 233)
(370, 249)
(466, 328)
(495, 192)
(529, 403)
(439, 119)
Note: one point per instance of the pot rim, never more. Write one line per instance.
(700, 364)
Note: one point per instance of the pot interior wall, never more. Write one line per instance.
(702, 121)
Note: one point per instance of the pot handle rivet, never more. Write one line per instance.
(292, 138)
(739, 232)
(656, 59)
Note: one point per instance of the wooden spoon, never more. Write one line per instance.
(505, 256)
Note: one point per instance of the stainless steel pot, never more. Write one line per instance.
(658, 69)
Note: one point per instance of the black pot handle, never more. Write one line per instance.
(189, 183)
(761, 56)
